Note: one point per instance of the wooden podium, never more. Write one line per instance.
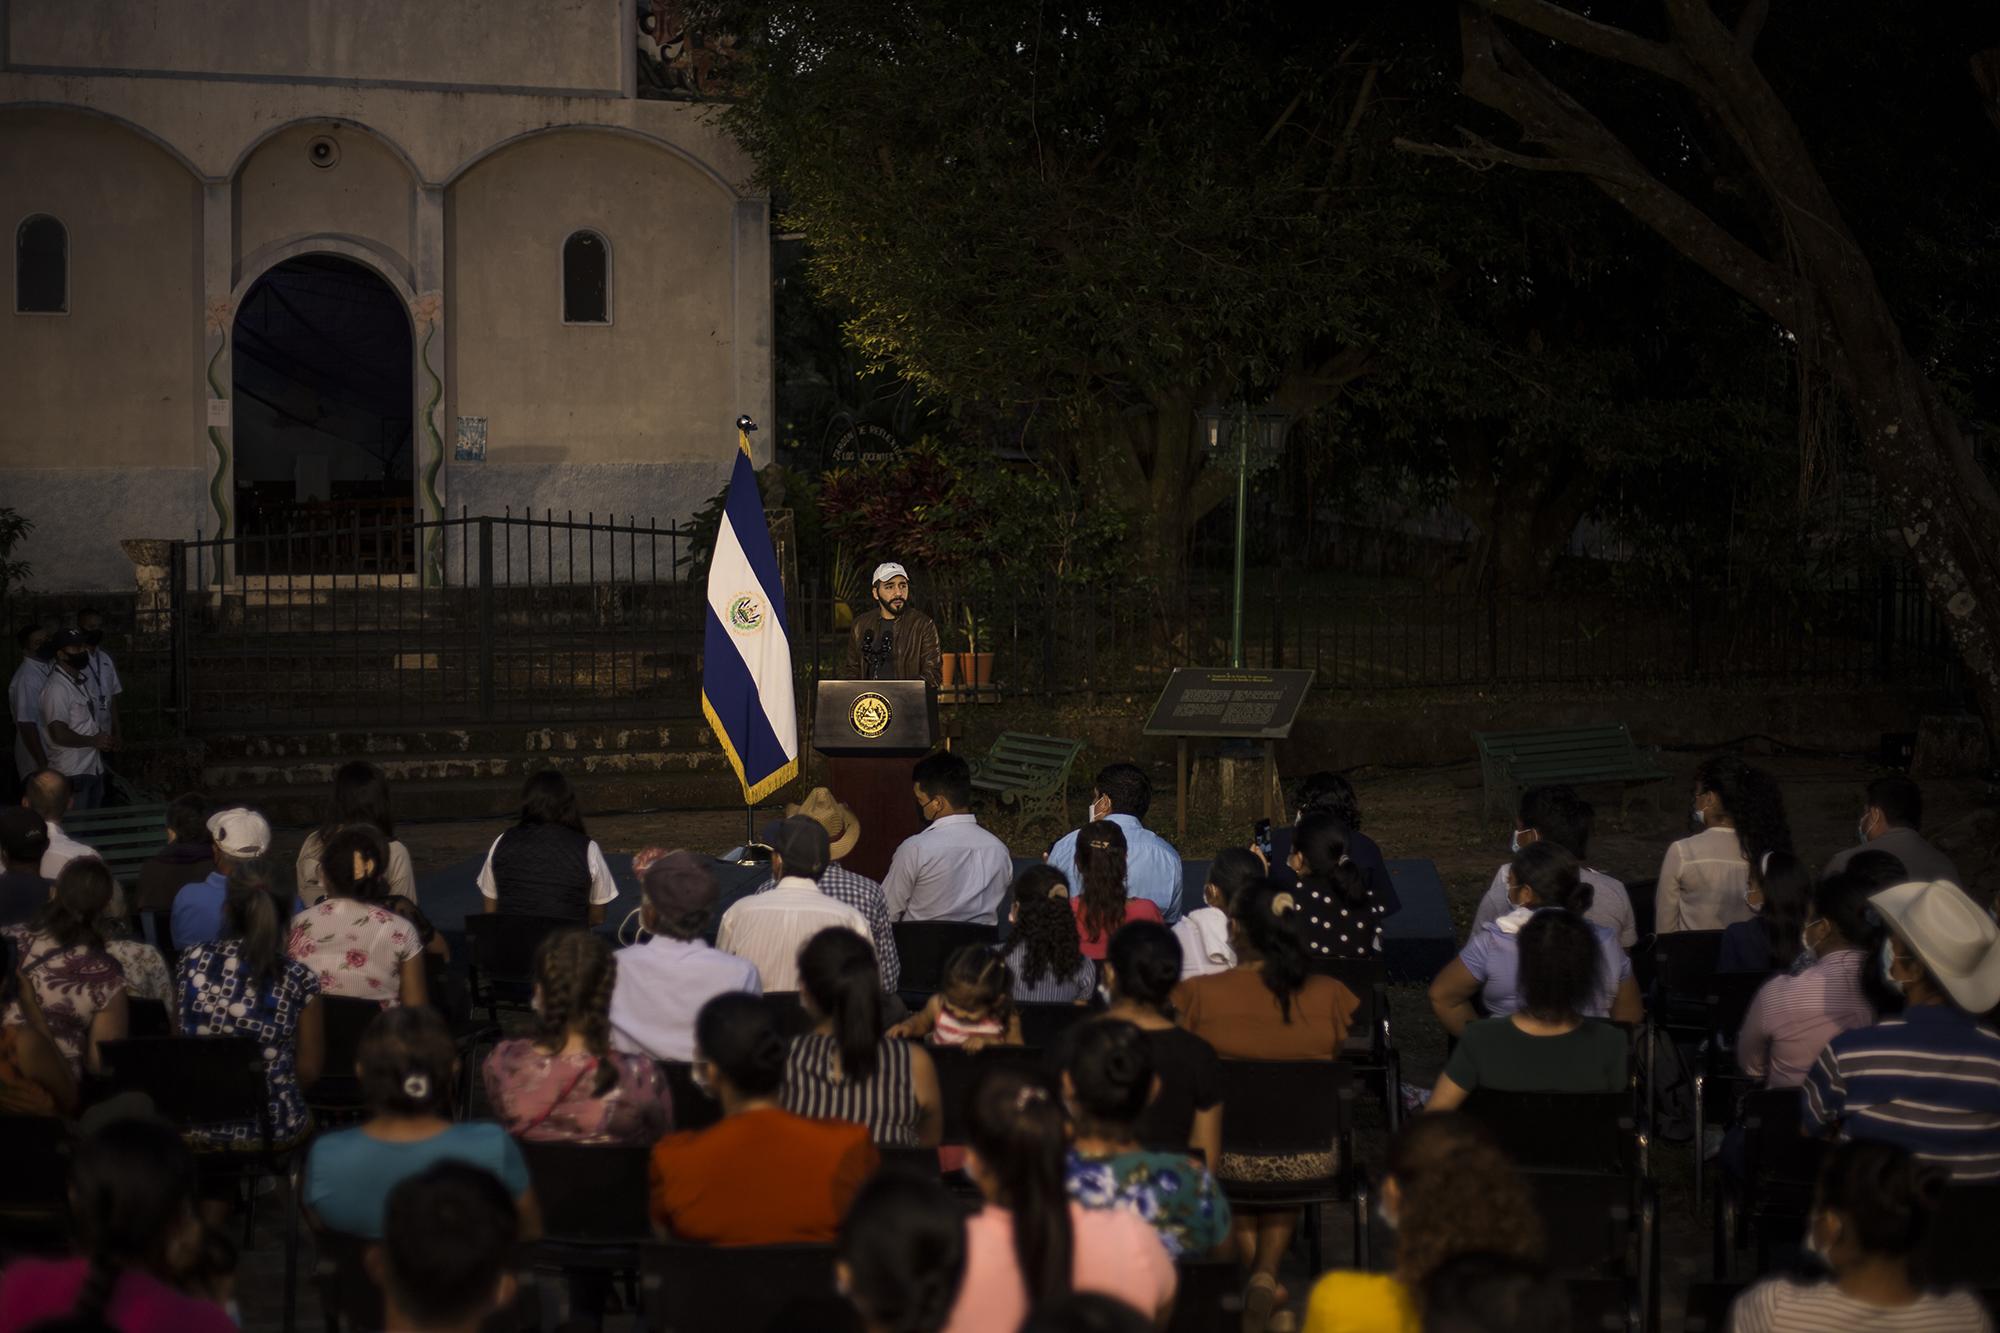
(872, 732)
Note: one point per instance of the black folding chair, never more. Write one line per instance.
(502, 967)
(958, 1070)
(1298, 1108)
(335, 1097)
(693, 1108)
(348, 1296)
(1708, 1306)
(1959, 1248)
(595, 1221)
(908, 1161)
(789, 1012)
(1780, 1170)
(1043, 1024)
(747, 1288)
(157, 927)
(34, 1189)
(1209, 1297)
(196, 1082)
(1369, 1050)
(147, 1018)
(925, 945)
(1565, 1131)
(1598, 1305)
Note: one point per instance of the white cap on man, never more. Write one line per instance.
(887, 570)
(240, 833)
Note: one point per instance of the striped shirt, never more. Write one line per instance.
(1794, 1017)
(769, 929)
(1782, 1305)
(1049, 988)
(1927, 1080)
(864, 895)
(885, 1104)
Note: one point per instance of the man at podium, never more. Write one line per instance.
(895, 641)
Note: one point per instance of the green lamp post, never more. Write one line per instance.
(1248, 441)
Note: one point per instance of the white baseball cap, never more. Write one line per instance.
(887, 570)
(240, 833)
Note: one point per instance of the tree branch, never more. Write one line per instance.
(1599, 39)
(1750, 24)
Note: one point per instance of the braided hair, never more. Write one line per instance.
(1100, 863)
(1045, 925)
(574, 974)
(131, 1190)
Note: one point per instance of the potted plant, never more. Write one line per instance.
(977, 667)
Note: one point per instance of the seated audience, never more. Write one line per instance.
(953, 870)
(1880, 870)
(547, 865)
(1892, 811)
(1031, 1245)
(1449, 1190)
(1267, 1007)
(863, 894)
(1779, 891)
(356, 945)
(565, 1084)
(901, 1253)
(1102, 905)
(664, 981)
(1546, 1045)
(1333, 794)
(846, 1068)
(187, 858)
(1795, 1015)
(1870, 1215)
(1702, 878)
(1341, 918)
(763, 1175)
(1542, 875)
(974, 1006)
(1557, 814)
(245, 986)
(1927, 1079)
(145, 1262)
(768, 929)
(447, 1254)
(35, 1077)
(1494, 1293)
(67, 973)
(360, 799)
(1120, 795)
(235, 835)
(407, 1065)
(49, 795)
(24, 841)
(1204, 932)
(147, 976)
(1044, 956)
(1107, 1081)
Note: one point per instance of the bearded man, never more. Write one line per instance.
(895, 641)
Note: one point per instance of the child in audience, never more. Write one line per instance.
(901, 1253)
(975, 1006)
(407, 1066)
(1204, 932)
(448, 1252)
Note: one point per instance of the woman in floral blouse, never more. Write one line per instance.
(245, 986)
(355, 945)
(565, 1083)
(63, 964)
(1107, 1085)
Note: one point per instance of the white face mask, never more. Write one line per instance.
(1515, 844)
(1699, 817)
(1754, 902)
(1888, 962)
(1862, 827)
(1814, 1248)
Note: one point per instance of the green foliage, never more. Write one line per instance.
(780, 488)
(13, 527)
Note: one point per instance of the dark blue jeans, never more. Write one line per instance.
(89, 790)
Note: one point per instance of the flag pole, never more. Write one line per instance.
(744, 425)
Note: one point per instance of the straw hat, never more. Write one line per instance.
(843, 830)
(1957, 942)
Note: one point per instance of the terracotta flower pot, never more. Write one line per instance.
(964, 667)
(982, 668)
(948, 671)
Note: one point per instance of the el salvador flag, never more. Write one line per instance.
(746, 674)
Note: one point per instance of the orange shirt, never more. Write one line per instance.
(765, 1177)
(1236, 1013)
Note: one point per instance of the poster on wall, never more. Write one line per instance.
(470, 445)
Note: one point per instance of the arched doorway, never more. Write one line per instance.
(323, 422)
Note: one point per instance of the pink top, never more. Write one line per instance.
(951, 1030)
(1116, 1253)
(32, 1290)
(552, 1098)
(356, 949)
(1793, 1018)
(1096, 946)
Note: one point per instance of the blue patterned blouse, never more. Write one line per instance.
(1171, 1191)
(219, 1000)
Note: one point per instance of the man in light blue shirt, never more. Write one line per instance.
(239, 835)
(954, 870)
(1122, 794)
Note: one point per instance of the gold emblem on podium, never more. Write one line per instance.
(870, 715)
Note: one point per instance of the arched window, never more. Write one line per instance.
(586, 279)
(41, 267)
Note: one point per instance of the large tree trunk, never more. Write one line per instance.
(1524, 513)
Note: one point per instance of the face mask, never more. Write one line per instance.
(1861, 828)
(1889, 961)
(1815, 1249)
(1805, 940)
(1756, 904)
(699, 1075)
(1514, 845)
(1388, 1219)
(93, 637)
(1699, 817)
(75, 661)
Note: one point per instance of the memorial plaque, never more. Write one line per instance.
(1230, 703)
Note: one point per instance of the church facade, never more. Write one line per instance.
(361, 258)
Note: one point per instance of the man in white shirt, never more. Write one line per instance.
(69, 725)
(1557, 814)
(100, 673)
(768, 929)
(24, 701)
(1122, 793)
(664, 981)
(49, 795)
(954, 870)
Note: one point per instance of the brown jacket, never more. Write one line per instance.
(913, 648)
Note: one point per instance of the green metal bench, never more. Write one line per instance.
(1031, 771)
(124, 835)
(1510, 762)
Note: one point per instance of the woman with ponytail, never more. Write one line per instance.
(1342, 918)
(1267, 1007)
(901, 1254)
(1102, 903)
(1780, 894)
(243, 985)
(1032, 1245)
(359, 946)
(146, 1261)
(65, 967)
(762, 1176)
(408, 1067)
(565, 1084)
(846, 1068)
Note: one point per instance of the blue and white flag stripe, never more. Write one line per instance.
(746, 675)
